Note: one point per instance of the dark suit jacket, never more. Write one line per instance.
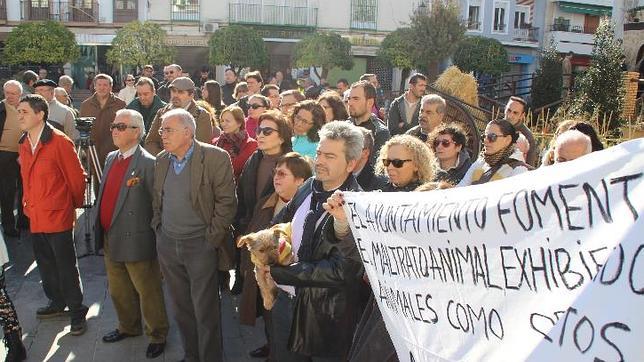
(397, 114)
(130, 237)
(212, 193)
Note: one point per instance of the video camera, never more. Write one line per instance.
(84, 126)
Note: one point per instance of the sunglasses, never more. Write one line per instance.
(491, 137)
(255, 106)
(444, 143)
(266, 131)
(398, 163)
(120, 126)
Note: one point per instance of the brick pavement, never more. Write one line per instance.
(49, 340)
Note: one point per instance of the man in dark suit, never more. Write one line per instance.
(194, 206)
(124, 205)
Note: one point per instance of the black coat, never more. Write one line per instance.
(369, 181)
(397, 114)
(246, 196)
(326, 308)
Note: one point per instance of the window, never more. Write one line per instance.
(500, 17)
(364, 14)
(522, 17)
(40, 4)
(474, 13)
(125, 4)
(185, 10)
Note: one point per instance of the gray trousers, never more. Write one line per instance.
(189, 267)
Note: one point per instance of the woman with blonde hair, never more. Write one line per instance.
(407, 163)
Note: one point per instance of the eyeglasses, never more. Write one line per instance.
(129, 80)
(280, 174)
(299, 118)
(266, 131)
(120, 126)
(398, 163)
(255, 106)
(168, 130)
(491, 137)
(444, 143)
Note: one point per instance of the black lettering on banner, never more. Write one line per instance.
(355, 216)
(539, 268)
(563, 326)
(615, 325)
(620, 265)
(487, 270)
(603, 210)
(598, 266)
(506, 268)
(543, 201)
(481, 206)
(362, 251)
(525, 224)
(625, 180)
(522, 265)
(566, 269)
(464, 317)
(503, 211)
(631, 273)
(575, 334)
(411, 357)
(535, 318)
(567, 207)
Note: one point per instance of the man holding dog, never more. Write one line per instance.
(123, 231)
(322, 311)
(194, 205)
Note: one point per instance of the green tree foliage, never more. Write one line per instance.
(138, 44)
(547, 83)
(395, 50)
(481, 55)
(601, 88)
(40, 42)
(437, 32)
(238, 46)
(326, 50)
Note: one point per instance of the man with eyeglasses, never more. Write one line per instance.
(194, 206)
(170, 73)
(183, 92)
(54, 186)
(59, 113)
(289, 99)
(122, 230)
(362, 97)
(431, 115)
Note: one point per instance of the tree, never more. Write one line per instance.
(326, 50)
(436, 34)
(40, 42)
(601, 88)
(548, 82)
(238, 46)
(138, 44)
(395, 50)
(481, 55)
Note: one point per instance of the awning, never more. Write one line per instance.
(577, 8)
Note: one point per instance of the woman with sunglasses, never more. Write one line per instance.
(500, 158)
(257, 104)
(234, 139)
(334, 107)
(128, 93)
(452, 159)
(307, 119)
(406, 162)
(255, 182)
(290, 173)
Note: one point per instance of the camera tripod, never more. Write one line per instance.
(85, 147)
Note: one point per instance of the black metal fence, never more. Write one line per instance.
(77, 11)
(364, 14)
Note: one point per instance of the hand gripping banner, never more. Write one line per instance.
(544, 266)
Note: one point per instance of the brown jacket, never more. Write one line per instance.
(212, 192)
(204, 132)
(101, 134)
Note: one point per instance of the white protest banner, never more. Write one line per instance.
(544, 266)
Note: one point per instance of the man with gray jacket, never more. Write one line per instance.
(124, 205)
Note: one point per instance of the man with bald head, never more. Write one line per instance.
(571, 145)
(194, 206)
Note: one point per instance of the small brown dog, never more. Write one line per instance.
(269, 247)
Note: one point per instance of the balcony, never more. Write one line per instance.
(273, 15)
(526, 34)
(580, 29)
(184, 10)
(125, 11)
(77, 11)
(567, 41)
(364, 14)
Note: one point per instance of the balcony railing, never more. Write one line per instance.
(184, 10)
(3, 10)
(573, 28)
(526, 34)
(78, 11)
(364, 14)
(272, 15)
(473, 25)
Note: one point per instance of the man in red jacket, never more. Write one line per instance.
(54, 186)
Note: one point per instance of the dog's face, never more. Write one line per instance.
(264, 245)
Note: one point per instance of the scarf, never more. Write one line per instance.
(499, 157)
(232, 142)
(311, 236)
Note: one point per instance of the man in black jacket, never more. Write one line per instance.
(364, 171)
(403, 111)
(317, 300)
(362, 97)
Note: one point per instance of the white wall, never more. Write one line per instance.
(106, 11)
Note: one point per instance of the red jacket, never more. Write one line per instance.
(53, 181)
(245, 148)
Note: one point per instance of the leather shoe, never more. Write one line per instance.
(261, 352)
(50, 311)
(154, 350)
(115, 336)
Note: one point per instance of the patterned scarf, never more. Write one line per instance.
(500, 156)
(232, 142)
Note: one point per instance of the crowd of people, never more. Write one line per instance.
(189, 168)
